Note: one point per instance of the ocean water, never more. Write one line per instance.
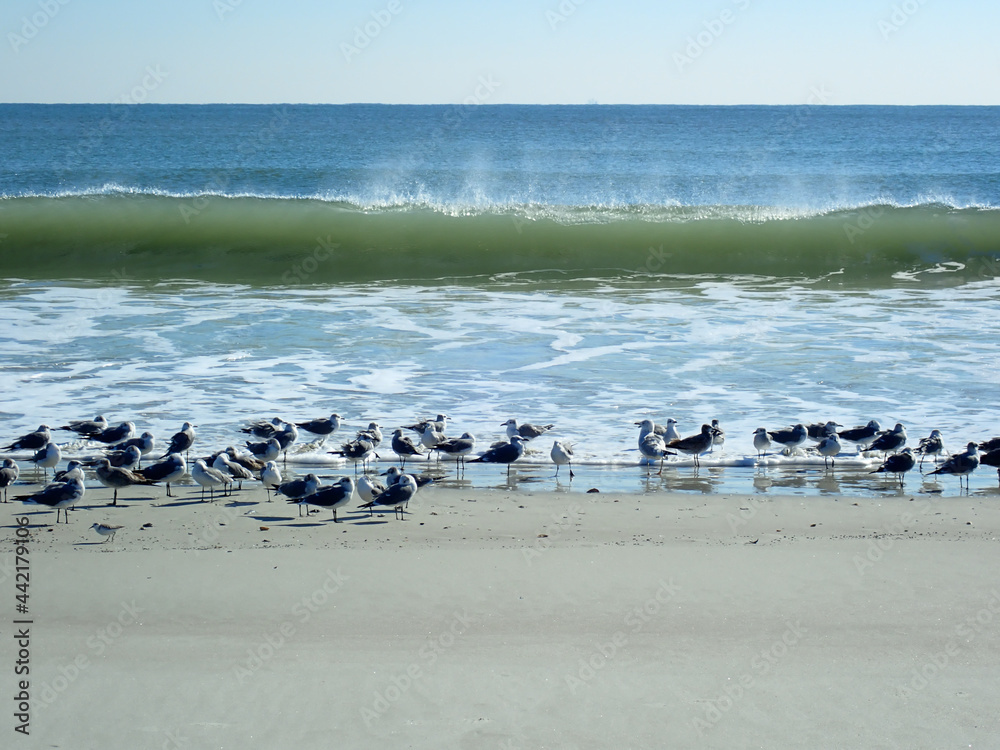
(583, 266)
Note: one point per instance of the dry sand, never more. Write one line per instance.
(493, 619)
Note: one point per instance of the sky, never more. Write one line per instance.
(515, 51)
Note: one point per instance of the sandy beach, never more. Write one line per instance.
(491, 619)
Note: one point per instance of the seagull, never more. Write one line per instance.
(210, 478)
(862, 436)
(264, 430)
(47, 458)
(506, 453)
(127, 459)
(932, 445)
(990, 445)
(761, 441)
(648, 426)
(890, 441)
(402, 446)
(247, 462)
(124, 431)
(59, 495)
(117, 478)
(819, 430)
(323, 427)
(235, 470)
(439, 424)
(87, 427)
(562, 454)
(286, 437)
(369, 489)
(526, 431)
(829, 447)
(395, 497)
(270, 476)
(652, 447)
(329, 497)
(171, 469)
(430, 436)
(266, 451)
(145, 443)
(898, 464)
(458, 447)
(299, 488)
(182, 441)
(105, 529)
(33, 441)
(357, 451)
(695, 445)
(718, 435)
(8, 475)
(961, 464)
(373, 434)
(791, 438)
(992, 458)
(393, 474)
(73, 469)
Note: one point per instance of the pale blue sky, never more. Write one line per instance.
(517, 51)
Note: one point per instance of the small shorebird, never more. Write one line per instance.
(395, 497)
(172, 468)
(106, 529)
(562, 454)
(506, 453)
(961, 464)
(898, 464)
(695, 445)
(526, 431)
(8, 475)
(58, 495)
(332, 497)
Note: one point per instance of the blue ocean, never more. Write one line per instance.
(584, 266)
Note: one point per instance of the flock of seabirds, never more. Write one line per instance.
(119, 466)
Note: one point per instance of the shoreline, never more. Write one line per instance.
(518, 619)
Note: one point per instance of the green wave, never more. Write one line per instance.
(274, 241)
